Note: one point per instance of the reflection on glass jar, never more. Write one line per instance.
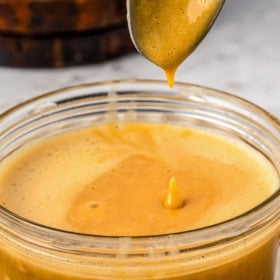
(242, 248)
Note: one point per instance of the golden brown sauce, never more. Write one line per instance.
(167, 31)
(112, 180)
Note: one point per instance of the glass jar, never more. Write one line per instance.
(242, 248)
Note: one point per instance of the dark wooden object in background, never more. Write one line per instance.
(56, 33)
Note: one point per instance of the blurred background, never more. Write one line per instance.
(38, 39)
(240, 55)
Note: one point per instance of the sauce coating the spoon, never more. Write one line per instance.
(166, 32)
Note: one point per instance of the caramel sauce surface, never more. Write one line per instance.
(112, 180)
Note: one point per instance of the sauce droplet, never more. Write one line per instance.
(173, 199)
(170, 77)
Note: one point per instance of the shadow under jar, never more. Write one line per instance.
(242, 248)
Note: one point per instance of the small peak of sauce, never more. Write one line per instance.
(174, 199)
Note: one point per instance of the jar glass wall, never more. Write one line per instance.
(242, 248)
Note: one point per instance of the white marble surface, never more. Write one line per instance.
(241, 55)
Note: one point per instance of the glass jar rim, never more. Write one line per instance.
(231, 229)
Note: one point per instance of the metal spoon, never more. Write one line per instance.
(149, 29)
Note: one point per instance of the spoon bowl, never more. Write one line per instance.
(166, 32)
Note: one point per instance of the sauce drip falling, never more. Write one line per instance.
(166, 32)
